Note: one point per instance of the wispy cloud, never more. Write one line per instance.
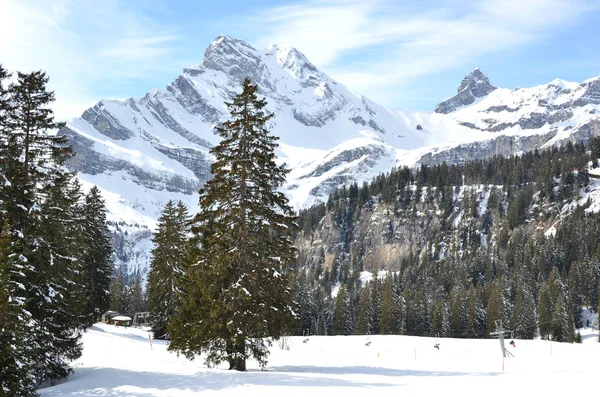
(84, 45)
(377, 47)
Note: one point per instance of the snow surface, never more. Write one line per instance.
(120, 362)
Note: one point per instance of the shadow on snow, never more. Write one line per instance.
(112, 382)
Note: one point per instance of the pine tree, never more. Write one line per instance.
(61, 317)
(560, 326)
(524, 321)
(545, 312)
(307, 315)
(459, 313)
(341, 313)
(244, 229)
(96, 264)
(365, 312)
(168, 260)
(116, 293)
(475, 314)
(495, 308)
(390, 313)
(17, 376)
(137, 301)
(39, 201)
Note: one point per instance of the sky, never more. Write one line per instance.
(402, 54)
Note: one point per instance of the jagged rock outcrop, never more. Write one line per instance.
(474, 85)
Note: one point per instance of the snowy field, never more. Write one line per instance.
(120, 362)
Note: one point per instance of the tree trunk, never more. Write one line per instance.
(230, 358)
(240, 353)
(241, 364)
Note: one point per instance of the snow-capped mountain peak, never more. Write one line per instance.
(147, 150)
(476, 82)
(473, 86)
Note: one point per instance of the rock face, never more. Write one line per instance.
(147, 150)
(474, 85)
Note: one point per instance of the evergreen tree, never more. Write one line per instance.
(116, 293)
(96, 264)
(39, 201)
(545, 312)
(61, 316)
(475, 315)
(168, 260)
(524, 320)
(390, 313)
(17, 376)
(341, 313)
(365, 312)
(307, 314)
(495, 308)
(137, 301)
(244, 228)
(459, 314)
(560, 326)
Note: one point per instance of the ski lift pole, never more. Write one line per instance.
(500, 334)
(150, 339)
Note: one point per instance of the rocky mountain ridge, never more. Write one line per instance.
(144, 151)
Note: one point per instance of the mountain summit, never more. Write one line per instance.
(145, 151)
(474, 85)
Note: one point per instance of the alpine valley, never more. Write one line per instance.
(142, 152)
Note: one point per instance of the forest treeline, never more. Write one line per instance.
(483, 254)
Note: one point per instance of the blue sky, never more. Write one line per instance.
(404, 54)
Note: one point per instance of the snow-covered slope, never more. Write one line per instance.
(120, 362)
(144, 151)
(507, 122)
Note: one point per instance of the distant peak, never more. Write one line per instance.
(474, 85)
(478, 82)
(224, 45)
(564, 84)
(222, 37)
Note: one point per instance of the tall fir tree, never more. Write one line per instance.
(137, 300)
(544, 310)
(116, 292)
(496, 307)
(244, 229)
(390, 312)
(39, 201)
(16, 357)
(341, 313)
(17, 376)
(96, 252)
(365, 312)
(168, 261)
(62, 317)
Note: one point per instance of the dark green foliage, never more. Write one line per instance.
(17, 376)
(168, 263)
(16, 338)
(476, 315)
(365, 312)
(43, 241)
(343, 321)
(116, 293)
(390, 308)
(481, 261)
(236, 292)
(96, 251)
